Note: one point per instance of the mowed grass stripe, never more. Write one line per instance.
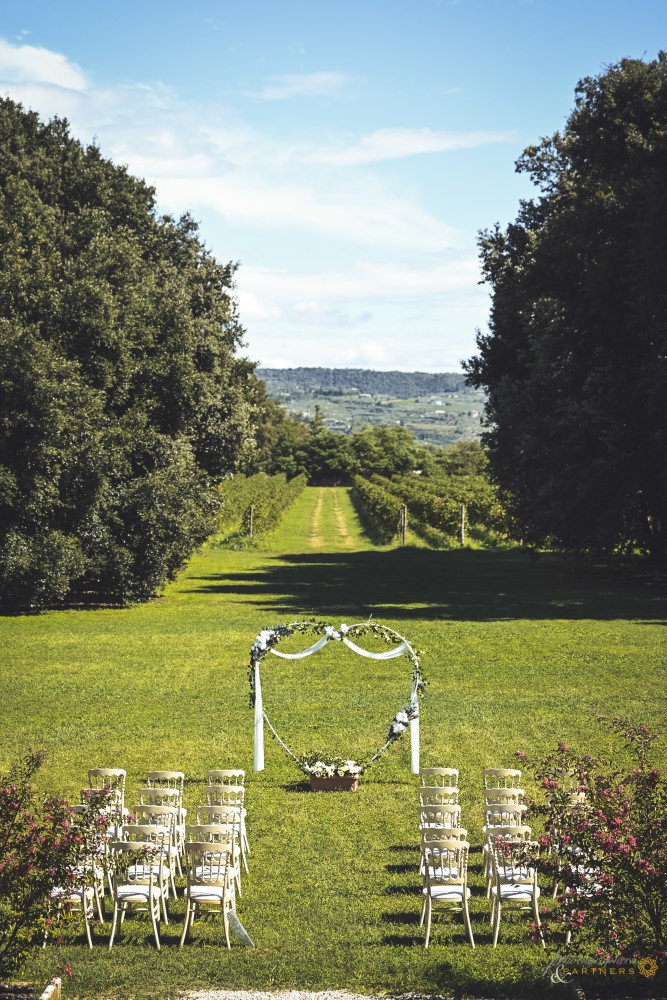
(517, 655)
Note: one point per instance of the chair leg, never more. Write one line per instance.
(225, 922)
(87, 924)
(428, 921)
(466, 921)
(114, 924)
(189, 908)
(536, 911)
(98, 901)
(496, 928)
(154, 920)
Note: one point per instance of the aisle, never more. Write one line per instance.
(322, 519)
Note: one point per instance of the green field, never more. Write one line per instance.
(518, 653)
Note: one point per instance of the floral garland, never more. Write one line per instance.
(321, 765)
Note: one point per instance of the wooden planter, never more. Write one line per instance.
(337, 783)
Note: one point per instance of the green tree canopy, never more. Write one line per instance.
(575, 362)
(121, 398)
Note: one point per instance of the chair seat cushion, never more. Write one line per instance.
(136, 893)
(447, 892)
(515, 892)
(206, 893)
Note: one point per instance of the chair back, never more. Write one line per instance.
(207, 863)
(133, 862)
(438, 795)
(501, 777)
(165, 779)
(227, 776)
(440, 776)
(165, 817)
(511, 862)
(157, 796)
(433, 834)
(111, 780)
(213, 833)
(224, 795)
(441, 817)
(515, 834)
(510, 814)
(446, 863)
(503, 796)
(152, 836)
(228, 815)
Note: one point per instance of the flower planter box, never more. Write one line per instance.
(336, 783)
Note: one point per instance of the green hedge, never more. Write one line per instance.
(380, 505)
(267, 496)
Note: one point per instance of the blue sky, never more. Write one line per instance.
(346, 154)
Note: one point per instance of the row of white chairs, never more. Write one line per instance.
(445, 847)
(141, 849)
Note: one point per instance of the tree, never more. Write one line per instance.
(386, 451)
(122, 403)
(575, 363)
(325, 455)
(279, 437)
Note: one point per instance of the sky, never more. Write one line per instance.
(346, 154)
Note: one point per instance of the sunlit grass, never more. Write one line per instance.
(517, 653)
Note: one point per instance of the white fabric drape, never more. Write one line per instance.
(259, 724)
(388, 655)
(305, 652)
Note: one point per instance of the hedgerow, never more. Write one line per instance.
(261, 499)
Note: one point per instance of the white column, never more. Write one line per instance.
(259, 723)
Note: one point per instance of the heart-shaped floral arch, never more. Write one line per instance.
(318, 764)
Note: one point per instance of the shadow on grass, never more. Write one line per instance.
(465, 585)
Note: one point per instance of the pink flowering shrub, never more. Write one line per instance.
(605, 845)
(39, 849)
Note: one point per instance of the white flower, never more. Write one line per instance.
(329, 630)
(402, 717)
(397, 728)
(345, 629)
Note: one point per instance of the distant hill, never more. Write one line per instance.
(400, 385)
(439, 409)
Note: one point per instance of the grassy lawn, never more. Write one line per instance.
(517, 654)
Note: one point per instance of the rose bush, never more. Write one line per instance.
(605, 844)
(40, 848)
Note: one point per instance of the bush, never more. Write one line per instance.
(605, 841)
(39, 849)
(382, 508)
(267, 497)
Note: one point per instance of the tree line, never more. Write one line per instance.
(575, 360)
(400, 385)
(124, 402)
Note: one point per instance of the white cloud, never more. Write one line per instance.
(302, 85)
(395, 143)
(28, 64)
(267, 292)
(364, 213)
(388, 310)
